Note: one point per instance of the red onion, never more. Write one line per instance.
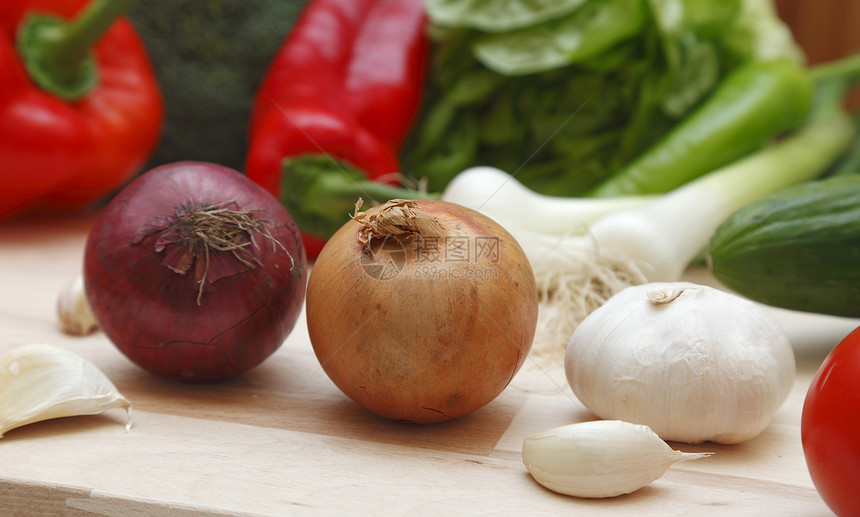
(421, 311)
(195, 272)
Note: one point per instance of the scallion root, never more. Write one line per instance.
(569, 289)
(573, 278)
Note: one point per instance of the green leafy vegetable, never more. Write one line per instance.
(564, 101)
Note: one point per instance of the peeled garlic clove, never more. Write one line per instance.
(39, 382)
(73, 309)
(604, 458)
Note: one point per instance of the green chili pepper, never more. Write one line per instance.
(756, 102)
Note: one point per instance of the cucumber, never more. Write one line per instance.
(797, 249)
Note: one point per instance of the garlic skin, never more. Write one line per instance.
(40, 382)
(73, 309)
(603, 458)
(692, 362)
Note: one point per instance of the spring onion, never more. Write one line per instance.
(657, 241)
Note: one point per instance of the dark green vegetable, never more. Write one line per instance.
(797, 249)
(209, 57)
(755, 103)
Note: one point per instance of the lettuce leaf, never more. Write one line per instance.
(564, 93)
(497, 15)
(585, 33)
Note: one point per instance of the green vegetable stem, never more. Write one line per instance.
(850, 163)
(844, 72)
(320, 197)
(58, 53)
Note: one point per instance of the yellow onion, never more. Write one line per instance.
(421, 311)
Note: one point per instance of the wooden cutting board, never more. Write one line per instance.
(282, 440)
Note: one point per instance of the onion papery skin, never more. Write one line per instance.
(415, 346)
(158, 317)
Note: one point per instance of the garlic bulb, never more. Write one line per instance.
(604, 458)
(73, 309)
(39, 382)
(692, 362)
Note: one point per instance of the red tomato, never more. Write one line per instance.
(830, 428)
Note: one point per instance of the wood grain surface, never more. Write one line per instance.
(282, 440)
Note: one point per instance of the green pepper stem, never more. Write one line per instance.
(320, 192)
(370, 190)
(69, 45)
(57, 53)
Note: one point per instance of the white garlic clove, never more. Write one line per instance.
(73, 309)
(40, 382)
(603, 458)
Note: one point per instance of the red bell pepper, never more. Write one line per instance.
(346, 84)
(80, 108)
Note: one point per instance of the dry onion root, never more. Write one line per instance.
(421, 311)
(570, 287)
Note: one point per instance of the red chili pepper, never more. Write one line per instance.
(80, 109)
(346, 83)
